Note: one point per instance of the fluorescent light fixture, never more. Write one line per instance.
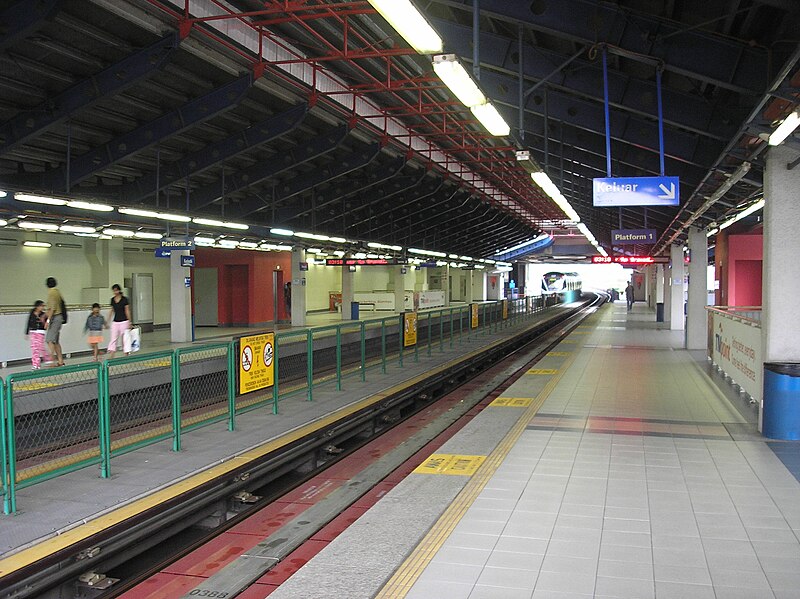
(248, 245)
(25, 197)
(205, 241)
(743, 214)
(457, 79)
(3, 223)
(27, 224)
(465, 258)
(95, 235)
(137, 212)
(277, 248)
(427, 253)
(118, 232)
(490, 118)
(72, 246)
(338, 253)
(237, 226)
(410, 24)
(152, 214)
(90, 206)
(3, 194)
(210, 222)
(548, 187)
(37, 244)
(602, 251)
(479, 267)
(282, 232)
(785, 129)
(314, 251)
(76, 229)
(146, 235)
(712, 232)
(360, 256)
(337, 240)
(228, 243)
(313, 236)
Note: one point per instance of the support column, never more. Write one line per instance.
(298, 288)
(348, 282)
(780, 326)
(446, 284)
(659, 294)
(676, 318)
(180, 299)
(399, 283)
(667, 292)
(696, 315)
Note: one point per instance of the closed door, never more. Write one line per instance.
(206, 297)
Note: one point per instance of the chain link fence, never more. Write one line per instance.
(141, 400)
(203, 385)
(52, 425)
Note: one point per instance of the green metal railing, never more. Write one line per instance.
(59, 420)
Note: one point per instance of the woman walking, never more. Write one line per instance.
(120, 317)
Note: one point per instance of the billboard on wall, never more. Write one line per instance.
(736, 348)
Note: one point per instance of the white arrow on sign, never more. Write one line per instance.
(669, 193)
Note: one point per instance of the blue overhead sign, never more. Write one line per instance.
(187, 261)
(163, 253)
(636, 191)
(633, 236)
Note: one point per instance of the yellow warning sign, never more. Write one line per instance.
(511, 402)
(558, 354)
(409, 329)
(453, 464)
(505, 309)
(542, 371)
(256, 362)
(474, 312)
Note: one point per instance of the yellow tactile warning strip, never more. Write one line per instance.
(558, 354)
(451, 463)
(511, 402)
(542, 371)
(64, 540)
(410, 570)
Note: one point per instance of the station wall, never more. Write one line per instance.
(75, 268)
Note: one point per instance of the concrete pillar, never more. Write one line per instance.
(676, 318)
(780, 326)
(667, 292)
(298, 288)
(348, 290)
(446, 284)
(180, 299)
(399, 283)
(696, 315)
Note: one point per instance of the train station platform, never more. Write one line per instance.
(620, 469)
(148, 477)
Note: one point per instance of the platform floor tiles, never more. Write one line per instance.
(626, 483)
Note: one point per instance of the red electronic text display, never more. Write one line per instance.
(631, 260)
(360, 261)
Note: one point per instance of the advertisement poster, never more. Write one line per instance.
(409, 329)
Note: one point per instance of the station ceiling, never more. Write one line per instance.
(342, 130)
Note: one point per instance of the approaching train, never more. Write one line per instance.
(568, 283)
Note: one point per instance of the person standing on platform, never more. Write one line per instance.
(35, 330)
(95, 323)
(629, 296)
(287, 298)
(56, 309)
(120, 317)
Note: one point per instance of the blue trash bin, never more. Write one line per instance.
(353, 310)
(781, 401)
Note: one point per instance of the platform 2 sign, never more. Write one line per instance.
(256, 362)
(635, 191)
(409, 329)
(473, 308)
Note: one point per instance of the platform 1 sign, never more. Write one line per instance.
(635, 191)
(633, 236)
(256, 362)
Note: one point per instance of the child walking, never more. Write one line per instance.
(95, 323)
(36, 332)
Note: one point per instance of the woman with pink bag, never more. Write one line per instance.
(120, 317)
